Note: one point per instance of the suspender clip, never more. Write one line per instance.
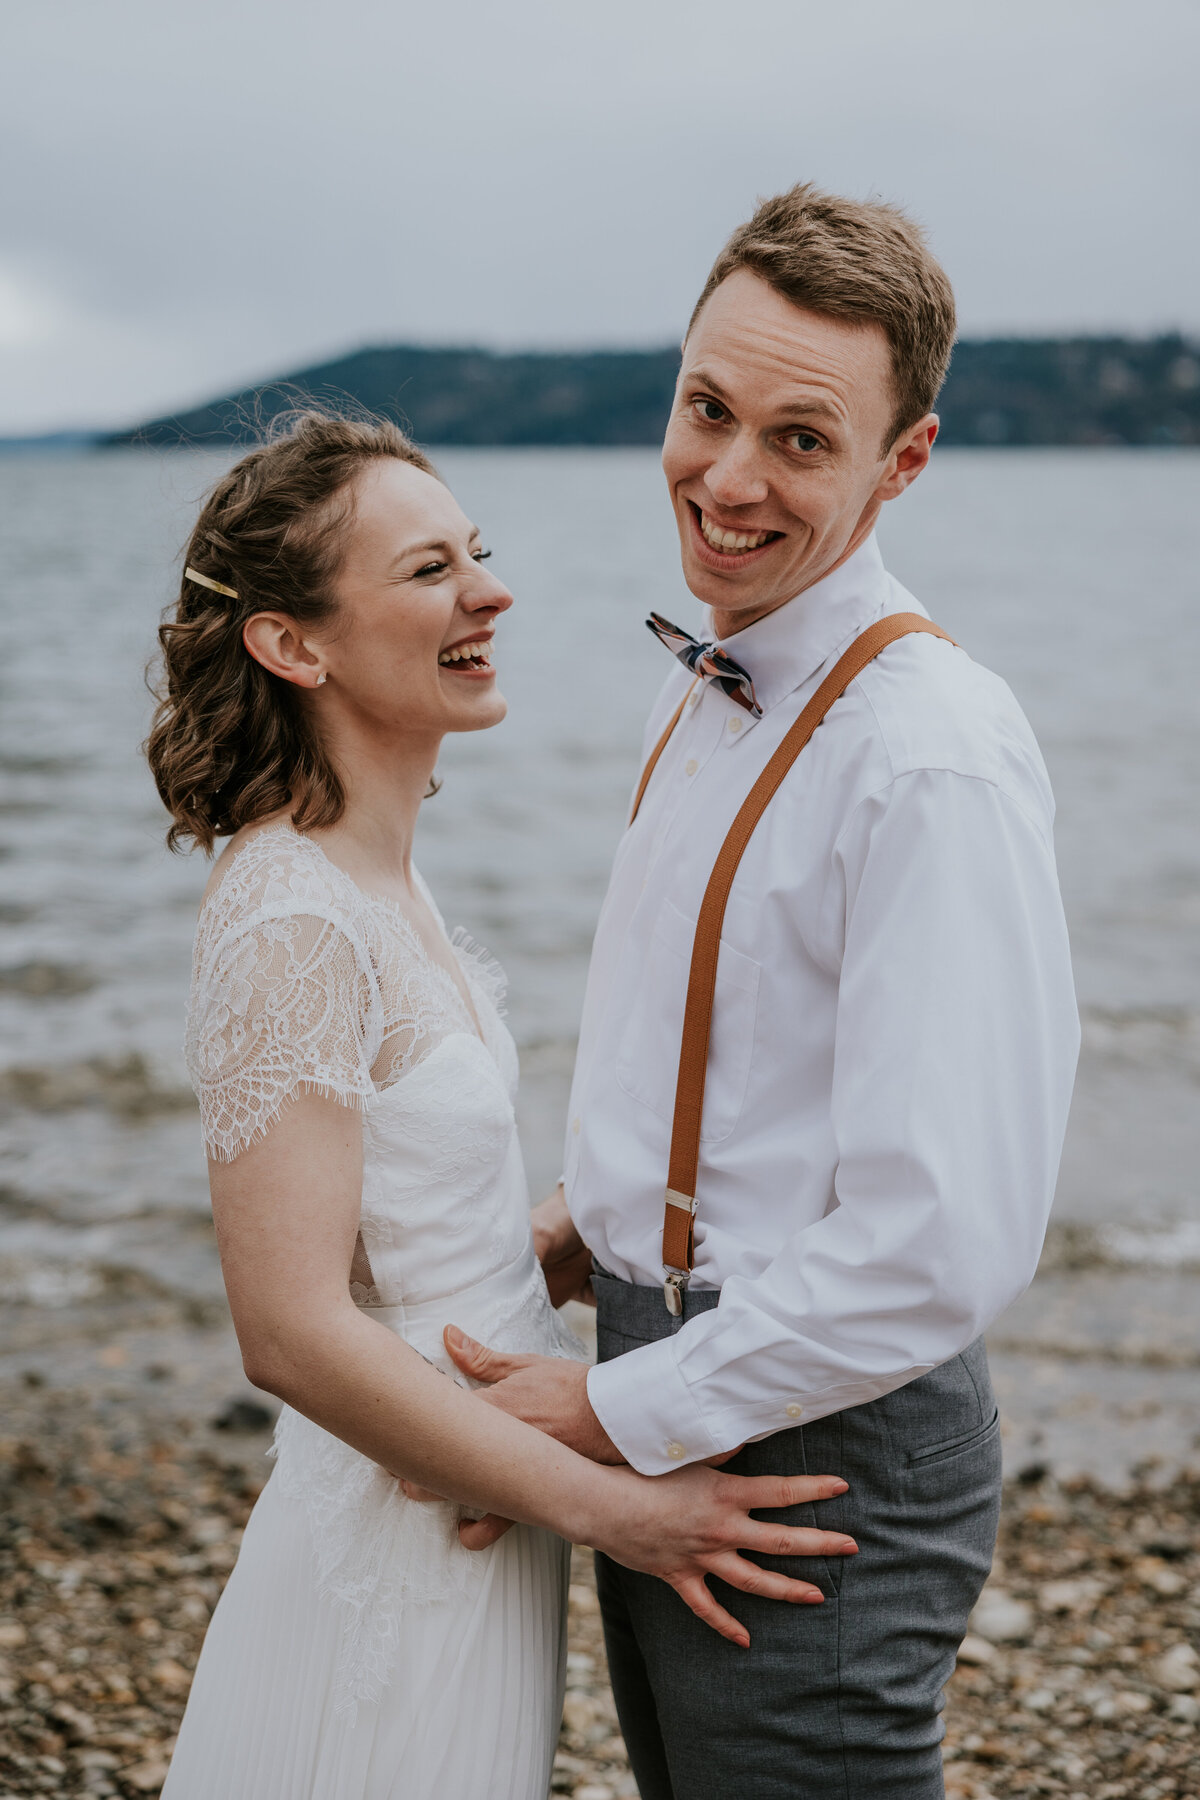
(674, 1288)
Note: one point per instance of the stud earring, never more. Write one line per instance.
(321, 679)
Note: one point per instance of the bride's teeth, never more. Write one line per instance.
(466, 653)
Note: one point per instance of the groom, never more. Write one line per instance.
(889, 1062)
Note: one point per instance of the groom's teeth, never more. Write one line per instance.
(730, 541)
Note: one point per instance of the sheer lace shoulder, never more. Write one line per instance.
(284, 993)
(484, 975)
(302, 979)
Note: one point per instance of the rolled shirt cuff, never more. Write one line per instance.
(649, 1411)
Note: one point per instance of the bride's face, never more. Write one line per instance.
(410, 650)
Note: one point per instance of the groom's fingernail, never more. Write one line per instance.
(841, 1487)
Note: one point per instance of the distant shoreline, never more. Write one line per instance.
(1001, 393)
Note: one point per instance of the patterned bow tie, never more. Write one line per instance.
(708, 662)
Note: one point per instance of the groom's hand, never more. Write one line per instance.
(547, 1391)
(565, 1258)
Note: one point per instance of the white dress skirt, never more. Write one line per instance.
(358, 1652)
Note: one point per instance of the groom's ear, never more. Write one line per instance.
(908, 456)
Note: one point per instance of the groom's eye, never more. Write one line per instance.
(709, 411)
(803, 440)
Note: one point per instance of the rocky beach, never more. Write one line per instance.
(121, 1521)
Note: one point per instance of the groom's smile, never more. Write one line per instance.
(728, 545)
(780, 452)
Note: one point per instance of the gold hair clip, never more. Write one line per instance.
(218, 587)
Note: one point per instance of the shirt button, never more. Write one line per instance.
(575, 1127)
(676, 1451)
(690, 766)
(735, 725)
(695, 698)
(794, 1410)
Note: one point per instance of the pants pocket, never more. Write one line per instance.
(958, 1445)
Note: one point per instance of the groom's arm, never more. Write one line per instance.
(956, 1041)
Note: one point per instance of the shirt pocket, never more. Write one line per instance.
(648, 1055)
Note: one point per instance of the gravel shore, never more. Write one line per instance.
(1080, 1676)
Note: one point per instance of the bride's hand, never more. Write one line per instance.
(693, 1523)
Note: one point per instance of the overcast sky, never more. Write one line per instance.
(202, 194)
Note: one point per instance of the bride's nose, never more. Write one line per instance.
(486, 593)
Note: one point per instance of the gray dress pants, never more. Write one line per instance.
(842, 1699)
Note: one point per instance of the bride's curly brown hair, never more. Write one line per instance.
(230, 743)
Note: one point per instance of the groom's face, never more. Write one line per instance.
(780, 450)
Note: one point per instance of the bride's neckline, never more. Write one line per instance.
(394, 906)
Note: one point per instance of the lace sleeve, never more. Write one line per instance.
(278, 1003)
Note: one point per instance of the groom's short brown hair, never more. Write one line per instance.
(858, 260)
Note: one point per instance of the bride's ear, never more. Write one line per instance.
(273, 640)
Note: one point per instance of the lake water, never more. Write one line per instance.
(1074, 574)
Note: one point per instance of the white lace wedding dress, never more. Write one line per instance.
(358, 1651)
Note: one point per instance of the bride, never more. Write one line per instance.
(356, 1087)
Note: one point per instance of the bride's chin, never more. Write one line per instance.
(488, 710)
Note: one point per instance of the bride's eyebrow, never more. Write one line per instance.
(441, 546)
(434, 545)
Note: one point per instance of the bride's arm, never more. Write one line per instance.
(287, 1212)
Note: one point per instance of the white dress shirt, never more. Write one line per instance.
(894, 1034)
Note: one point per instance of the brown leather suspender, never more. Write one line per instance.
(680, 1210)
(652, 759)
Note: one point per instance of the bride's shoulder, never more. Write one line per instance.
(273, 871)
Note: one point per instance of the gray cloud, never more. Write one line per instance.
(204, 193)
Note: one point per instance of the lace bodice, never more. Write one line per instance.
(300, 978)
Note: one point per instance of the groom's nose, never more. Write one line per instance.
(737, 476)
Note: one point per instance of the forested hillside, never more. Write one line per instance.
(1000, 391)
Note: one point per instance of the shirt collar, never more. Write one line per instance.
(781, 651)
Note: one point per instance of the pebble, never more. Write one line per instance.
(1001, 1619)
(145, 1777)
(1067, 1596)
(1178, 1669)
